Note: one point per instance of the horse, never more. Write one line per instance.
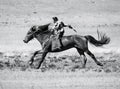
(43, 35)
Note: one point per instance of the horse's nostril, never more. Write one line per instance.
(24, 41)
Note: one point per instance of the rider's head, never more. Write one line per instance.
(55, 19)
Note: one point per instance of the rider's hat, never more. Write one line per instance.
(55, 18)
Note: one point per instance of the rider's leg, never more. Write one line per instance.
(60, 37)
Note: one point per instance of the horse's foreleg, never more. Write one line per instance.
(92, 56)
(42, 59)
(81, 53)
(32, 58)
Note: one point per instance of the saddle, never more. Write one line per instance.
(56, 44)
(54, 41)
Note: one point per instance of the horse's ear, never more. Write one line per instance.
(33, 28)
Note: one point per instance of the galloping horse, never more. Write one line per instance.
(42, 34)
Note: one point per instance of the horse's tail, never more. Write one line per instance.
(102, 39)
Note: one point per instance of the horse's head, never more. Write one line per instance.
(30, 34)
(35, 31)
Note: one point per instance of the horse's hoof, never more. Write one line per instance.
(100, 64)
(37, 67)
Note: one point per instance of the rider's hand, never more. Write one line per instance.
(70, 26)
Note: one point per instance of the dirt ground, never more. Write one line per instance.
(63, 72)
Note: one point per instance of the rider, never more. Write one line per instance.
(58, 28)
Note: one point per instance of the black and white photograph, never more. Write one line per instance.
(59, 44)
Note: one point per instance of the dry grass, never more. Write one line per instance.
(64, 72)
(63, 63)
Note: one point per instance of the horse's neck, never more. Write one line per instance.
(43, 37)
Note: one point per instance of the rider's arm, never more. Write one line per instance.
(69, 26)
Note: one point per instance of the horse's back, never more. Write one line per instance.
(78, 40)
(74, 37)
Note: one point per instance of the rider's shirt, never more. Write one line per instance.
(59, 26)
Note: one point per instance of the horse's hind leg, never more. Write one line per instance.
(84, 60)
(92, 56)
(83, 56)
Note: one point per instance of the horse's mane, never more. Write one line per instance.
(44, 27)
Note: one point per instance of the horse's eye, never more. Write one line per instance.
(33, 29)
